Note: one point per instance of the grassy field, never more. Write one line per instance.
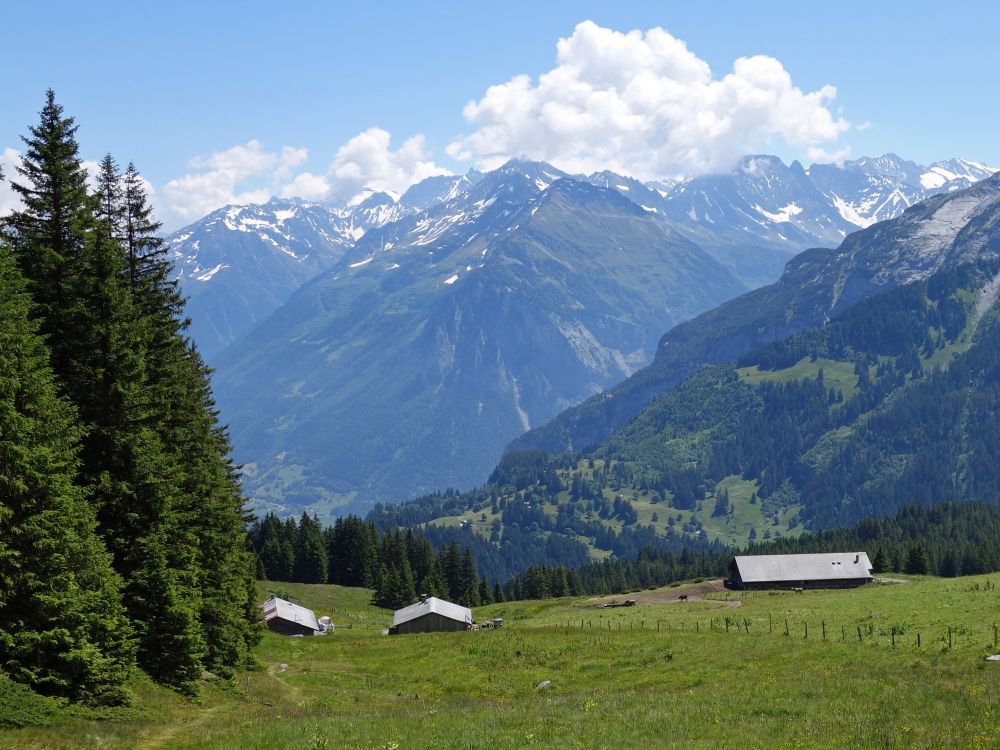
(659, 674)
(836, 374)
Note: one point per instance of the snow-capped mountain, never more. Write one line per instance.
(754, 218)
(440, 189)
(869, 190)
(409, 363)
(240, 263)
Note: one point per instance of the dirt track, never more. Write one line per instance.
(707, 591)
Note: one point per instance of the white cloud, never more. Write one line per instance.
(645, 105)
(249, 174)
(221, 179)
(9, 200)
(819, 155)
(367, 161)
(307, 185)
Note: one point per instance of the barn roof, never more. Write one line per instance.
(429, 605)
(275, 608)
(824, 566)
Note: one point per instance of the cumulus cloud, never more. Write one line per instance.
(643, 104)
(221, 178)
(367, 162)
(250, 174)
(313, 187)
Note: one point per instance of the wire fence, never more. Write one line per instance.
(871, 632)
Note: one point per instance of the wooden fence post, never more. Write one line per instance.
(806, 637)
(843, 633)
(770, 624)
(822, 624)
(892, 634)
(949, 636)
(786, 626)
(859, 634)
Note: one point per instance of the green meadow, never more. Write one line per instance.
(717, 671)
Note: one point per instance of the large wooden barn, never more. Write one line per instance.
(825, 570)
(289, 619)
(431, 615)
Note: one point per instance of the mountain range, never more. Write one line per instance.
(867, 378)
(374, 351)
(240, 263)
(409, 364)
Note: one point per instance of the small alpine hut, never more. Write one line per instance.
(431, 615)
(289, 619)
(827, 570)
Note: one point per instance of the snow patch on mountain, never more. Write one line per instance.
(207, 275)
(850, 213)
(783, 215)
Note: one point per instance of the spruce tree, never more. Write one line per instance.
(485, 592)
(62, 627)
(49, 233)
(310, 552)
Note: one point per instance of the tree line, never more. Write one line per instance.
(946, 539)
(398, 565)
(122, 531)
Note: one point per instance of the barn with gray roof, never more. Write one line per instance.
(431, 615)
(821, 570)
(289, 619)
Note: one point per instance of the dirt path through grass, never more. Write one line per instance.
(167, 732)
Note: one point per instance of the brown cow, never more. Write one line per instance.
(682, 598)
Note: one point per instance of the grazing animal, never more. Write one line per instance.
(682, 598)
(798, 589)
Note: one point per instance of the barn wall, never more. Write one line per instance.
(839, 583)
(284, 627)
(432, 622)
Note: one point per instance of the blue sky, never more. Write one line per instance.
(216, 101)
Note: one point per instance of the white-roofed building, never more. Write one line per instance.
(822, 570)
(289, 619)
(431, 615)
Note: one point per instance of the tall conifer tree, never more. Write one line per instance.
(62, 626)
(154, 461)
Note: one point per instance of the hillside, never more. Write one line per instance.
(240, 263)
(894, 401)
(942, 232)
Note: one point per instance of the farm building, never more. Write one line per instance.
(431, 615)
(289, 619)
(825, 570)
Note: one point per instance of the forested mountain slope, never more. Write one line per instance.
(895, 400)
(942, 232)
